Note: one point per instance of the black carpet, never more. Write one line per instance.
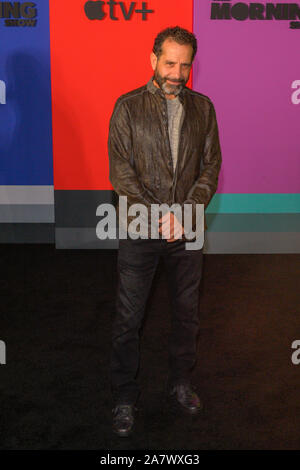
(57, 308)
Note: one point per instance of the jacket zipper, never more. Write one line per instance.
(168, 139)
(178, 153)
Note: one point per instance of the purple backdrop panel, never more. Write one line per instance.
(250, 70)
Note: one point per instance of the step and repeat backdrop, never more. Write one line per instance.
(64, 64)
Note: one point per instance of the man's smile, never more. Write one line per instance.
(173, 82)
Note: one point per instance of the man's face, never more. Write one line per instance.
(172, 69)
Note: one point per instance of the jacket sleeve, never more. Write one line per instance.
(206, 184)
(122, 174)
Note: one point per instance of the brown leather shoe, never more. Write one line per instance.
(123, 419)
(187, 398)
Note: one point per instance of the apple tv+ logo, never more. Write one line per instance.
(94, 10)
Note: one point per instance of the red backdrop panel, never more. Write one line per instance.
(92, 63)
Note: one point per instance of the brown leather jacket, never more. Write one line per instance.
(140, 159)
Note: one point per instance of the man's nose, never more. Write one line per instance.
(177, 72)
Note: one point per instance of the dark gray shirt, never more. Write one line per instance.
(175, 116)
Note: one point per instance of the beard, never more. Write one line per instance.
(167, 88)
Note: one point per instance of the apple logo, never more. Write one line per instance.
(94, 11)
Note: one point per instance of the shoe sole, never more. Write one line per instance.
(194, 411)
(122, 434)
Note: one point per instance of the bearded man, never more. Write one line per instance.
(163, 148)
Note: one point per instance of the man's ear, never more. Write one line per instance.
(153, 60)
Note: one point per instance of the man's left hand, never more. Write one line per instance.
(171, 225)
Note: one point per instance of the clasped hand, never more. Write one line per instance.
(170, 225)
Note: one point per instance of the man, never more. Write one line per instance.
(163, 148)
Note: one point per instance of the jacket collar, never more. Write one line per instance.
(153, 89)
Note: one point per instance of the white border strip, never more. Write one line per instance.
(26, 194)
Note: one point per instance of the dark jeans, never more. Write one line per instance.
(137, 263)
